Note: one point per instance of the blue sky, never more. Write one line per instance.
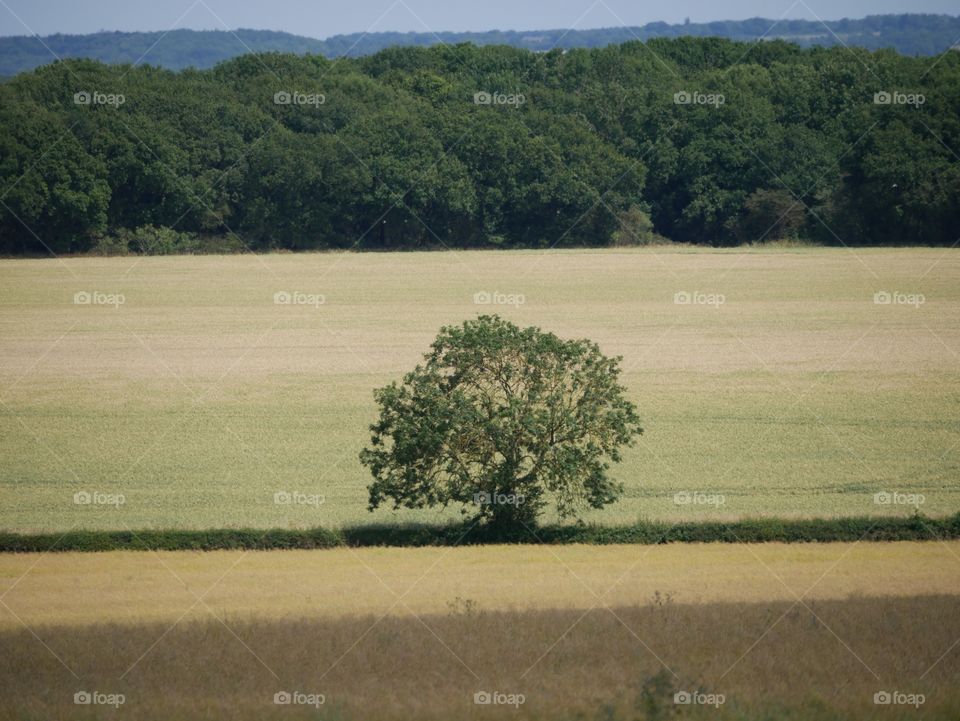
(322, 18)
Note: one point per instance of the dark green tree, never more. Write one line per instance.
(503, 420)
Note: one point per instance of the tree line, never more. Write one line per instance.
(699, 140)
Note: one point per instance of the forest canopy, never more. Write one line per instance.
(699, 140)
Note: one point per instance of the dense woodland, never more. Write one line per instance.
(699, 140)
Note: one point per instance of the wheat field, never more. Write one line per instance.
(785, 631)
(810, 661)
(186, 394)
(142, 586)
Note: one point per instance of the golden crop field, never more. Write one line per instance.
(137, 586)
(180, 394)
(768, 631)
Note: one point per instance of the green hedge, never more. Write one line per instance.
(759, 530)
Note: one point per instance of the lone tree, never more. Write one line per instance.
(502, 420)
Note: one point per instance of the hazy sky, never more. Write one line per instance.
(322, 18)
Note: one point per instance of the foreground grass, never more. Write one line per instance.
(818, 660)
(198, 399)
(131, 587)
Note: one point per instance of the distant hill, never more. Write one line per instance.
(911, 34)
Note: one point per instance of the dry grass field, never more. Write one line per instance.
(814, 661)
(779, 631)
(198, 397)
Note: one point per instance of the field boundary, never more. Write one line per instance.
(759, 530)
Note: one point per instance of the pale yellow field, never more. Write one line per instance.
(198, 398)
(115, 587)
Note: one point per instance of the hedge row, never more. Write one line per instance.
(760, 530)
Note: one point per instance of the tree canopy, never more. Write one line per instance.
(700, 140)
(503, 421)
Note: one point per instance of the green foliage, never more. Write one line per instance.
(762, 530)
(502, 419)
(152, 240)
(149, 240)
(770, 215)
(636, 228)
(179, 540)
(399, 154)
(111, 244)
